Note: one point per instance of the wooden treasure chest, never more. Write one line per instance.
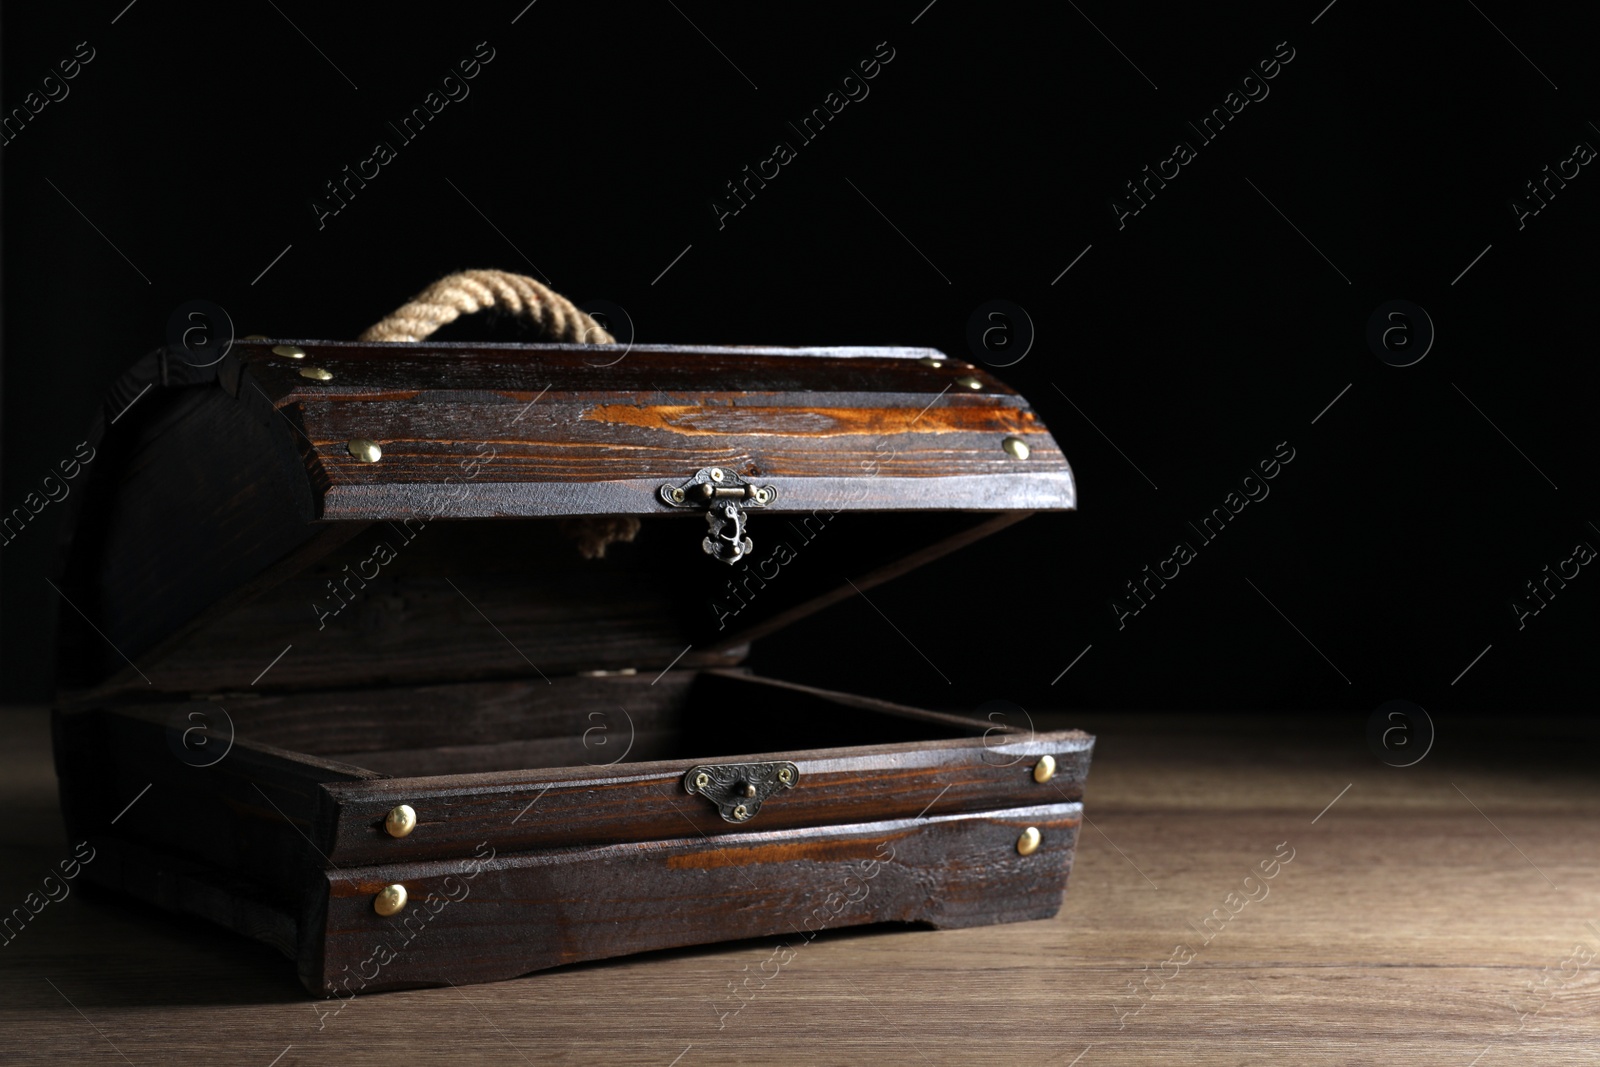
(421, 662)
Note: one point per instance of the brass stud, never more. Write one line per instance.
(316, 374)
(970, 381)
(741, 813)
(702, 780)
(1015, 447)
(1027, 844)
(1045, 769)
(391, 900)
(401, 820)
(931, 361)
(292, 351)
(749, 789)
(364, 450)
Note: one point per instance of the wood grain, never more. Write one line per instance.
(550, 429)
(474, 922)
(202, 550)
(1407, 929)
(265, 807)
(646, 801)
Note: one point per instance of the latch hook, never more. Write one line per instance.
(725, 496)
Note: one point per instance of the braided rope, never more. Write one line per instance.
(454, 295)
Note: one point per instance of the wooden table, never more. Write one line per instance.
(1447, 913)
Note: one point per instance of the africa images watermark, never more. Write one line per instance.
(54, 489)
(853, 88)
(1252, 889)
(52, 89)
(1545, 988)
(1252, 487)
(1252, 88)
(740, 589)
(385, 552)
(1550, 582)
(55, 888)
(815, 921)
(423, 912)
(1549, 183)
(451, 88)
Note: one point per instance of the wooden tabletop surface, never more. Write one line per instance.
(1447, 913)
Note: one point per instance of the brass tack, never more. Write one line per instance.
(364, 450)
(1015, 447)
(401, 820)
(316, 374)
(970, 381)
(1045, 769)
(292, 351)
(749, 789)
(1027, 844)
(391, 900)
(931, 361)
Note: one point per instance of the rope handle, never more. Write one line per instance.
(469, 291)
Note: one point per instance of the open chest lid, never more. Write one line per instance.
(403, 513)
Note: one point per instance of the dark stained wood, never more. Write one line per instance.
(206, 557)
(323, 540)
(359, 649)
(261, 806)
(195, 499)
(526, 809)
(352, 725)
(566, 436)
(252, 813)
(561, 751)
(472, 921)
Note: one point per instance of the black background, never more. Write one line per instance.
(1196, 338)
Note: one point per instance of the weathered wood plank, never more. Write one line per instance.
(526, 809)
(471, 921)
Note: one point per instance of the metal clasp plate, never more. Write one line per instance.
(738, 789)
(725, 496)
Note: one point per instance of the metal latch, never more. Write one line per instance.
(737, 789)
(725, 496)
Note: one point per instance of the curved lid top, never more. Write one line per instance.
(223, 495)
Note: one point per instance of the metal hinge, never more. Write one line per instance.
(737, 789)
(725, 496)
